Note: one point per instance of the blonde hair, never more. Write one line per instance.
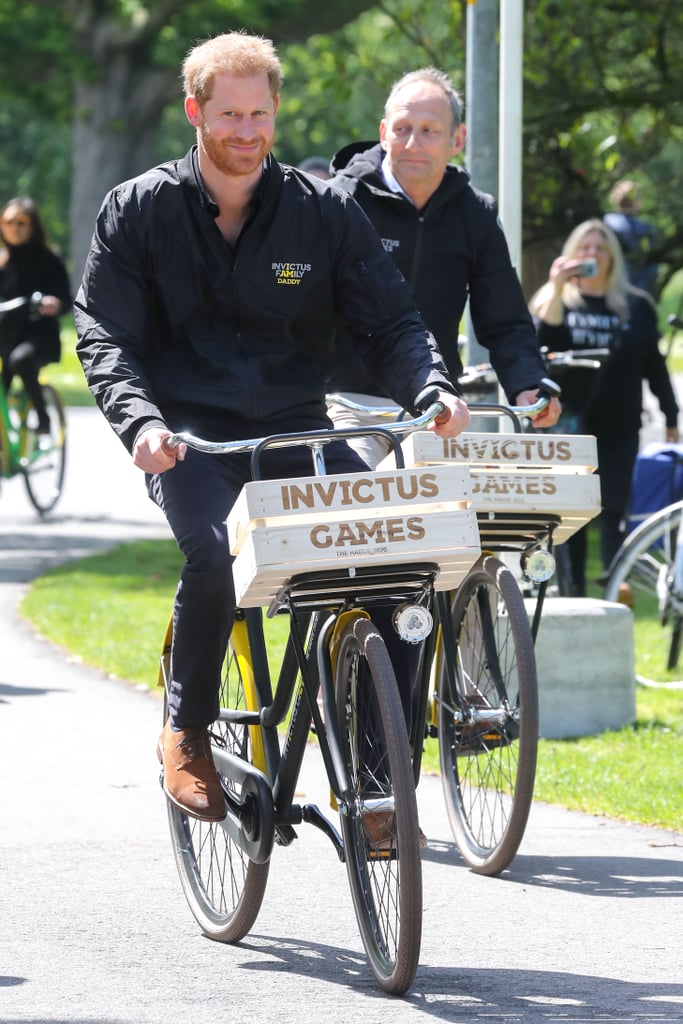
(617, 287)
(235, 53)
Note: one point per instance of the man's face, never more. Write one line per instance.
(418, 135)
(236, 126)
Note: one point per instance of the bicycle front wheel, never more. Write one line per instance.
(379, 822)
(44, 455)
(643, 576)
(488, 725)
(223, 887)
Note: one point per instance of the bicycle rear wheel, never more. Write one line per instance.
(44, 456)
(223, 887)
(385, 873)
(488, 728)
(643, 576)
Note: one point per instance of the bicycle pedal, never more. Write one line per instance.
(285, 834)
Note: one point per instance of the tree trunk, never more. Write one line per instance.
(113, 139)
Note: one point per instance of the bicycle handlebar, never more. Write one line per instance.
(33, 301)
(315, 439)
(585, 358)
(548, 390)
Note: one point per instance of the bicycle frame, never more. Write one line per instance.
(14, 450)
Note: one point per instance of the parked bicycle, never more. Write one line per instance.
(647, 575)
(480, 690)
(38, 457)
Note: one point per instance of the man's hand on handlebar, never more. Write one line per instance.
(454, 420)
(549, 416)
(152, 455)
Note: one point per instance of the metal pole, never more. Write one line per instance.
(510, 135)
(481, 116)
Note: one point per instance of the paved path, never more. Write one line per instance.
(586, 925)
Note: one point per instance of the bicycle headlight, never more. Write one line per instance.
(413, 622)
(538, 565)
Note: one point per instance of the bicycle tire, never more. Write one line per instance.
(386, 884)
(44, 459)
(223, 887)
(645, 563)
(488, 731)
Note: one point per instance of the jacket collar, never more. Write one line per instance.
(362, 162)
(190, 175)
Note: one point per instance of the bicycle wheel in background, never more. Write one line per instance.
(643, 576)
(379, 823)
(44, 456)
(223, 888)
(488, 730)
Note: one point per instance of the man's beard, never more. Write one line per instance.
(228, 160)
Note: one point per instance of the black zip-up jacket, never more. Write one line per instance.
(452, 248)
(178, 328)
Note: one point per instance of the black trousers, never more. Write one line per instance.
(23, 361)
(196, 497)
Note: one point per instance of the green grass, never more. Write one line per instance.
(111, 610)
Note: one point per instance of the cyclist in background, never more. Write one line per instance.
(208, 304)
(446, 239)
(30, 340)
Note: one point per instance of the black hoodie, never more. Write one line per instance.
(452, 248)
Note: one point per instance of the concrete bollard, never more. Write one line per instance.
(584, 659)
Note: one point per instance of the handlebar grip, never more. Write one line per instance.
(169, 444)
(549, 388)
(443, 415)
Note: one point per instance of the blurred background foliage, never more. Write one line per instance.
(603, 97)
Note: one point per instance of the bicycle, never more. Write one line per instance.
(485, 709)
(333, 646)
(485, 715)
(647, 575)
(39, 458)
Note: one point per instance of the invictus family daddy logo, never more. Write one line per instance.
(290, 273)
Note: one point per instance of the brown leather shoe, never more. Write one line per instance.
(190, 780)
(380, 831)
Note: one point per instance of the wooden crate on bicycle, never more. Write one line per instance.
(518, 474)
(281, 528)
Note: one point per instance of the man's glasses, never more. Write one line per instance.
(16, 222)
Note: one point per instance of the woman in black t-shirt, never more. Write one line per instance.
(28, 265)
(602, 310)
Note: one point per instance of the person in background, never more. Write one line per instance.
(445, 237)
(317, 165)
(603, 311)
(636, 237)
(208, 304)
(28, 340)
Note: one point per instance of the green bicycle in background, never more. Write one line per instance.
(39, 458)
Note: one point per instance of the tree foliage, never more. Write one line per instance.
(602, 101)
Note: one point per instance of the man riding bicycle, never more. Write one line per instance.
(208, 303)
